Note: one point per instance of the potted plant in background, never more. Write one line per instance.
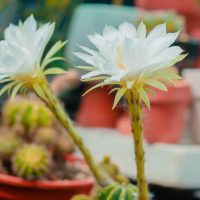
(190, 8)
(36, 155)
(87, 114)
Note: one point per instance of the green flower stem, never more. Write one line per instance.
(54, 105)
(135, 108)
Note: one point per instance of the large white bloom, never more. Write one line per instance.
(21, 54)
(132, 59)
(125, 53)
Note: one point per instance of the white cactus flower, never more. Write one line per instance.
(127, 55)
(21, 53)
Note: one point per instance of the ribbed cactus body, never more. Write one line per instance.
(46, 136)
(112, 170)
(31, 162)
(8, 145)
(29, 113)
(117, 192)
(64, 144)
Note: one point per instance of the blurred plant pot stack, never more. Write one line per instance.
(166, 119)
(193, 77)
(96, 109)
(189, 8)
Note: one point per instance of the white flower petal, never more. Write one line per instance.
(161, 43)
(90, 51)
(43, 35)
(141, 31)
(109, 32)
(91, 74)
(128, 30)
(13, 35)
(118, 77)
(166, 56)
(158, 31)
(85, 57)
(29, 27)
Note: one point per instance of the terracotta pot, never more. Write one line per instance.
(189, 8)
(14, 188)
(193, 77)
(165, 121)
(182, 6)
(96, 109)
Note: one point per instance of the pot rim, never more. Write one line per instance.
(46, 184)
(58, 184)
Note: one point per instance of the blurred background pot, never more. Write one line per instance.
(165, 121)
(14, 188)
(189, 8)
(96, 109)
(193, 78)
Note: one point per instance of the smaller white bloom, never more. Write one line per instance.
(22, 48)
(21, 52)
(125, 53)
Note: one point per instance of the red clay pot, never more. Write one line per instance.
(96, 109)
(189, 8)
(14, 188)
(165, 121)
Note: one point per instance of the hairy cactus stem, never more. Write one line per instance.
(135, 109)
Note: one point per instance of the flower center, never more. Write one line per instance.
(119, 61)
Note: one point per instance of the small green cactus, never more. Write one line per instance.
(31, 162)
(45, 117)
(64, 144)
(117, 192)
(29, 113)
(8, 145)
(112, 170)
(10, 112)
(46, 136)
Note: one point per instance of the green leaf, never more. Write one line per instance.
(173, 62)
(94, 78)
(168, 75)
(118, 96)
(96, 86)
(39, 92)
(150, 91)
(5, 80)
(56, 47)
(44, 64)
(179, 58)
(155, 84)
(15, 90)
(88, 68)
(7, 87)
(144, 96)
(113, 90)
(54, 70)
